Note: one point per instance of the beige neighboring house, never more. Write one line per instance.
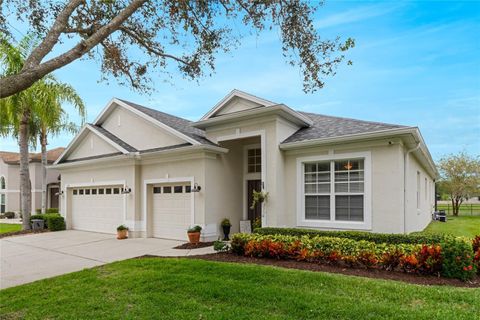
(160, 174)
(10, 180)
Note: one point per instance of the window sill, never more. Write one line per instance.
(359, 225)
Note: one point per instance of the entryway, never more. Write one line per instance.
(256, 212)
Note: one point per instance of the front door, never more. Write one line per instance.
(54, 197)
(257, 211)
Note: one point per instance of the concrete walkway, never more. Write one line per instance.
(28, 258)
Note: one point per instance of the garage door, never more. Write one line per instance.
(98, 209)
(171, 211)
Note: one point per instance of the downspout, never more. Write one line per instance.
(405, 163)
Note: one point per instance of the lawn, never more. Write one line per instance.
(467, 226)
(197, 289)
(7, 227)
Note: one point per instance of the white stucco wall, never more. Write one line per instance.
(138, 132)
(91, 145)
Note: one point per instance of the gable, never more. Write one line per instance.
(236, 104)
(90, 145)
(236, 101)
(138, 132)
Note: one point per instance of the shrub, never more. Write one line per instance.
(51, 210)
(356, 235)
(194, 229)
(122, 227)
(476, 243)
(9, 215)
(38, 211)
(457, 255)
(55, 222)
(221, 246)
(226, 223)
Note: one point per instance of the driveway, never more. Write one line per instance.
(33, 257)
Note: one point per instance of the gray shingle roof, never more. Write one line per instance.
(182, 125)
(329, 127)
(114, 138)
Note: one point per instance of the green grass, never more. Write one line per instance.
(7, 227)
(196, 289)
(457, 226)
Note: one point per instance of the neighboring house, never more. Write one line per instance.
(10, 180)
(160, 174)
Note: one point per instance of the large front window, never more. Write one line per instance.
(334, 190)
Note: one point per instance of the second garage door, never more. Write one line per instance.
(98, 209)
(171, 211)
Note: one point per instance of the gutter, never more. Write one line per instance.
(405, 164)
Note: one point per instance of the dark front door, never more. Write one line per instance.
(257, 211)
(53, 197)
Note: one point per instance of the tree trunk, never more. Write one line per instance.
(25, 185)
(43, 143)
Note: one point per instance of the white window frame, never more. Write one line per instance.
(366, 224)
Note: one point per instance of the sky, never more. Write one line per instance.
(415, 63)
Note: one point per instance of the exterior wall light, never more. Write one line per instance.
(196, 188)
(59, 193)
(126, 190)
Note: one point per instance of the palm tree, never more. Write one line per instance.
(54, 120)
(24, 114)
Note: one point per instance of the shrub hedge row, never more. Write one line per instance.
(356, 235)
(452, 257)
(53, 221)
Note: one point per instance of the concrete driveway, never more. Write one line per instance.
(33, 257)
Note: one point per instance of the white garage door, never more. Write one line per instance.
(171, 211)
(98, 209)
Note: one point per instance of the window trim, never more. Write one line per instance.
(366, 224)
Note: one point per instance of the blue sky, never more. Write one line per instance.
(415, 63)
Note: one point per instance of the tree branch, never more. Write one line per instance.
(23, 80)
(52, 36)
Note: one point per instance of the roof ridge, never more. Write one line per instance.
(353, 119)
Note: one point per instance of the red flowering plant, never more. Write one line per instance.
(390, 259)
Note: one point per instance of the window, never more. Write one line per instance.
(80, 192)
(334, 191)
(254, 160)
(101, 191)
(2, 203)
(75, 192)
(108, 191)
(157, 189)
(116, 190)
(418, 190)
(87, 191)
(178, 189)
(167, 189)
(188, 189)
(94, 191)
(3, 183)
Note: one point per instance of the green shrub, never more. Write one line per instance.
(9, 215)
(458, 258)
(194, 229)
(356, 235)
(51, 210)
(55, 222)
(122, 227)
(38, 211)
(221, 246)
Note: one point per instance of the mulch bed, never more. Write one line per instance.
(368, 273)
(21, 233)
(190, 246)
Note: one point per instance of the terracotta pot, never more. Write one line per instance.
(122, 234)
(194, 237)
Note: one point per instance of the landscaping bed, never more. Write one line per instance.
(190, 246)
(360, 272)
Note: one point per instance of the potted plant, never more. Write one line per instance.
(226, 225)
(122, 232)
(194, 234)
(258, 197)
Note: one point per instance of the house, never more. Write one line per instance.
(10, 180)
(160, 174)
